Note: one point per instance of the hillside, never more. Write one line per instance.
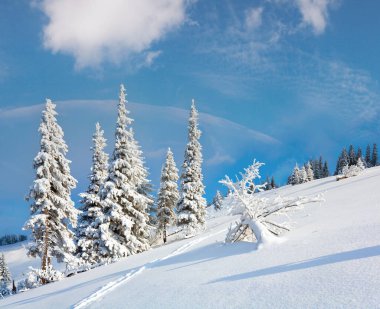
(330, 259)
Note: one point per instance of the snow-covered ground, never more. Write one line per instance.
(331, 259)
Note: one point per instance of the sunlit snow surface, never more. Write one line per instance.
(330, 259)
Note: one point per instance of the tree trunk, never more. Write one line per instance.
(164, 234)
(45, 257)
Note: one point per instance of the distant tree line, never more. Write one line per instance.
(11, 239)
(312, 169)
(351, 157)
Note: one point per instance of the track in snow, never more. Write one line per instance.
(131, 274)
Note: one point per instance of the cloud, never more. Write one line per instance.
(97, 31)
(315, 13)
(253, 18)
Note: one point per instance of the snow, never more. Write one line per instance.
(330, 259)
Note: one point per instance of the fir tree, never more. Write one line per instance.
(342, 161)
(303, 175)
(268, 185)
(217, 201)
(273, 183)
(125, 229)
(326, 172)
(351, 156)
(52, 209)
(5, 275)
(90, 244)
(316, 169)
(309, 172)
(359, 154)
(167, 195)
(368, 161)
(191, 206)
(374, 160)
(295, 177)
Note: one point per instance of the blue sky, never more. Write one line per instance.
(277, 80)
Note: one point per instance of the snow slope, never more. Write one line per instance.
(331, 259)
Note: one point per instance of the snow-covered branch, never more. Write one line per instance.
(256, 223)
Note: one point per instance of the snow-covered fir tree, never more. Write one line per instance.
(303, 175)
(5, 278)
(90, 246)
(124, 202)
(217, 201)
(191, 206)
(309, 171)
(295, 177)
(5, 275)
(343, 160)
(168, 195)
(52, 210)
(368, 156)
(374, 160)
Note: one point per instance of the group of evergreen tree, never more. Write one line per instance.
(270, 183)
(351, 157)
(113, 219)
(313, 169)
(11, 239)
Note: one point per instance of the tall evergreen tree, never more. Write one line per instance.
(90, 246)
(125, 205)
(168, 195)
(359, 154)
(368, 161)
(191, 206)
(375, 160)
(326, 172)
(351, 155)
(52, 209)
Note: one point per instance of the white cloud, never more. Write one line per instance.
(97, 31)
(315, 13)
(253, 18)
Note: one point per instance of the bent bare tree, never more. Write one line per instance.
(257, 213)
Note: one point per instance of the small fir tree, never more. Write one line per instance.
(303, 175)
(217, 201)
(326, 172)
(359, 154)
(90, 246)
(368, 161)
(191, 206)
(167, 195)
(374, 161)
(309, 172)
(273, 183)
(295, 177)
(52, 210)
(351, 156)
(5, 275)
